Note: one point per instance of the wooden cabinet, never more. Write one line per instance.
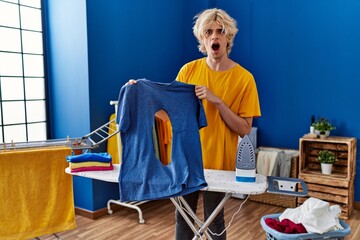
(338, 187)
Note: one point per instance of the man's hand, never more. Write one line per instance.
(131, 81)
(204, 93)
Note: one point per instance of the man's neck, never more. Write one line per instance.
(221, 64)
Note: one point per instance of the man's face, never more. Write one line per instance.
(215, 41)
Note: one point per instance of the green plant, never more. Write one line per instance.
(326, 156)
(322, 125)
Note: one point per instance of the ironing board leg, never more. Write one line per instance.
(191, 213)
(202, 226)
(193, 216)
(212, 216)
(185, 216)
(133, 205)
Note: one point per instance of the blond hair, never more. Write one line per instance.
(204, 19)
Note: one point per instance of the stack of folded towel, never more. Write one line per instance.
(90, 162)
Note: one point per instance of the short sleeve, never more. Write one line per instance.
(250, 106)
(181, 77)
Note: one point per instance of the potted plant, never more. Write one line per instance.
(323, 127)
(327, 159)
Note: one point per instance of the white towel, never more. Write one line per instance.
(265, 162)
(315, 215)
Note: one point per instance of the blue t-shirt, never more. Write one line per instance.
(142, 175)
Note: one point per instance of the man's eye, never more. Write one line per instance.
(220, 31)
(208, 31)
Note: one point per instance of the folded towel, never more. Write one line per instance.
(86, 157)
(88, 164)
(84, 169)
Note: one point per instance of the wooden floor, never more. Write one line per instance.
(160, 223)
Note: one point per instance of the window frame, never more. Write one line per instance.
(44, 100)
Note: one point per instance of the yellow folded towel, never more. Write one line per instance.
(36, 194)
(88, 164)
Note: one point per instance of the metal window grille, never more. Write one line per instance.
(23, 113)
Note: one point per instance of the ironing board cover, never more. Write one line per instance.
(142, 176)
(217, 180)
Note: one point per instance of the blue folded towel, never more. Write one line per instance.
(87, 157)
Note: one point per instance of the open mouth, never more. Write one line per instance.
(215, 46)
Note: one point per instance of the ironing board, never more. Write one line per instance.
(217, 180)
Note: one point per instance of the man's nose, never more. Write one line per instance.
(215, 35)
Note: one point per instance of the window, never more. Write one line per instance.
(22, 78)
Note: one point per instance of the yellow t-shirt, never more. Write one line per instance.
(237, 88)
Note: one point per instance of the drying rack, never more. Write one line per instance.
(85, 143)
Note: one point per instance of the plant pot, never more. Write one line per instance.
(327, 133)
(326, 168)
(312, 129)
(323, 136)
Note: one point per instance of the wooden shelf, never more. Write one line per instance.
(335, 188)
(344, 148)
(322, 179)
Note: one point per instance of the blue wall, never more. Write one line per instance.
(130, 39)
(67, 54)
(304, 56)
